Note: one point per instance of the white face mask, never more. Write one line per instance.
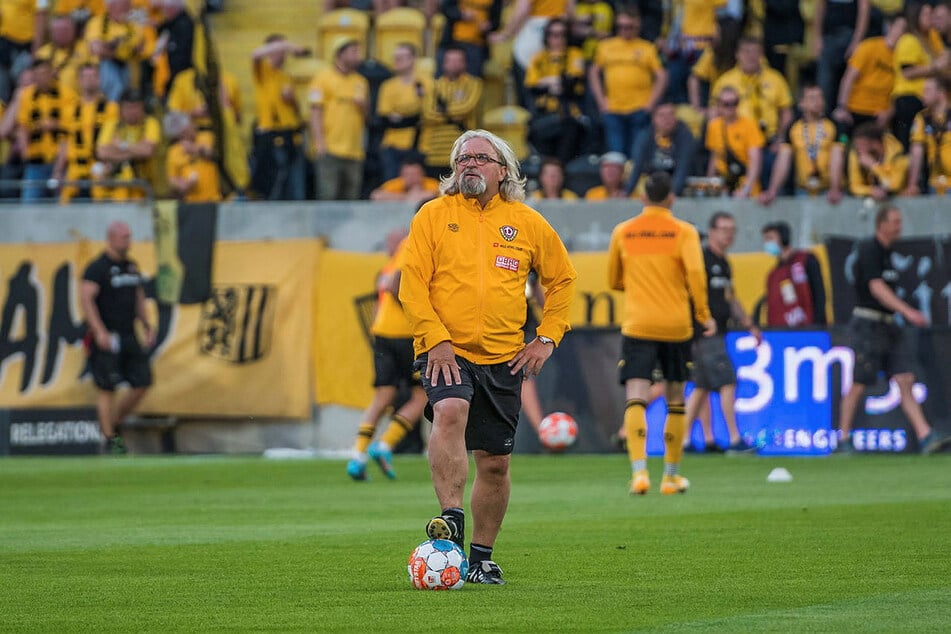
(772, 248)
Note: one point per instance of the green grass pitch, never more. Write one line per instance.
(247, 544)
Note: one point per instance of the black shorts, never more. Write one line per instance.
(639, 357)
(878, 347)
(495, 398)
(711, 368)
(130, 365)
(393, 362)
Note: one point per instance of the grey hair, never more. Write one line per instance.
(512, 188)
(174, 123)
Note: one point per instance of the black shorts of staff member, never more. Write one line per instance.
(639, 357)
(495, 398)
(711, 368)
(129, 364)
(879, 347)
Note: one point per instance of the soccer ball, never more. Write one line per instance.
(558, 431)
(437, 564)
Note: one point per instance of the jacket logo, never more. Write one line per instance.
(508, 232)
(453, 227)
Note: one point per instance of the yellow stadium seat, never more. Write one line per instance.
(510, 123)
(692, 118)
(402, 24)
(302, 70)
(436, 25)
(426, 66)
(350, 22)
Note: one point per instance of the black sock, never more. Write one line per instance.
(479, 553)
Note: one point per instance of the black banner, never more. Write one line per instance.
(45, 432)
(184, 246)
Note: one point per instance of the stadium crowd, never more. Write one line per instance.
(596, 92)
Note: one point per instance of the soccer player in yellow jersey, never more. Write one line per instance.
(468, 258)
(339, 99)
(656, 260)
(393, 370)
(930, 142)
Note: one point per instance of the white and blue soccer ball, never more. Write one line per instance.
(437, 564)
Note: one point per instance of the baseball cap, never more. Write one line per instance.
(613, 158)
(342, 42)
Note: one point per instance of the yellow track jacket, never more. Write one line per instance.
(464, 277)
(656, 260)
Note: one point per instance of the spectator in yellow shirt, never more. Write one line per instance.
(930, 165)
(22, 29)
(736, 147)
(339, 103)
(399, 107)
(611, 169)
(450, 107)
(692, 29)
(878, 165)
(468, 23)
(126, 150)
(65, 52)
(807, 150)
(84, 122)
(41, 132)
(118, 43)
(551, 182)
(915, 59)
(627, 80)
(715, 60)
(865, 93)
(278, 172)
(411, 185)
(190, 167)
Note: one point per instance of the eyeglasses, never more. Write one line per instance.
(479, 159)
(729, 104)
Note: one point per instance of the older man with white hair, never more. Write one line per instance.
(468, 257)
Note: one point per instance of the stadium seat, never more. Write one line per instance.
(510, 123)
(436, 25)
(402, 24)
(692, 118)
(349, 22)
(426, 66)
(302, 70)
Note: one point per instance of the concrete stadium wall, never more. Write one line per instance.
(361, 226)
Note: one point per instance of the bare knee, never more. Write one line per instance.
(492, 466)
(905, 381)
(451, 411)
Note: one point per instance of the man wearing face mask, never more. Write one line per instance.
(795, 292)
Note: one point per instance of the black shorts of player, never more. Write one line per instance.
(711, 368)
(878, 347)
(130, 364)
(393, 362)
(639, 357)
(495, 398)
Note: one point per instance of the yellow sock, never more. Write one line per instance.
(364, 436)
(635, 425)
(674, 430)
(396, 431)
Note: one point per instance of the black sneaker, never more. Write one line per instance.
(446, 527)
(486, 572)
(933, 443)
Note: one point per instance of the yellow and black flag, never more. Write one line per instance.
(184, 250)
(230, 154)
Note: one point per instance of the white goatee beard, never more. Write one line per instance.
(472, 185)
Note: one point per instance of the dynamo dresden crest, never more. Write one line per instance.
(508, 232)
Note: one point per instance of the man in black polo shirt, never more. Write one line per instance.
(712, 370)
(877, 339)
(112, 298)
